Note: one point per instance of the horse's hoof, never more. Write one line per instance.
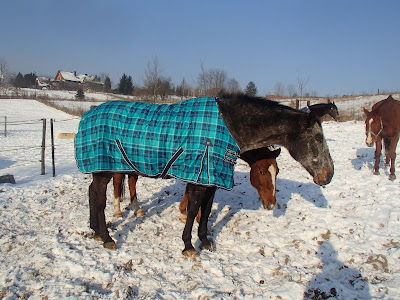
(140, 213)
(117, 215)
(191, 253)
(376, 173)
(110, 245)
(206, 245)
(392, 177)
(97, 238)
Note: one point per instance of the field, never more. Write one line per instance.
(340, 241)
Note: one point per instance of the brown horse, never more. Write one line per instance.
(263, 172)
(383, 122)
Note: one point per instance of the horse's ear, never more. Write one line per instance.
(276, 152)
(366, 112)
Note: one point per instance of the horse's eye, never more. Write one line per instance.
(262, 173)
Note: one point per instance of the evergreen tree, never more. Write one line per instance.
(107, 85)
(125, 85)
(19, 81)
(80, 94)
(29, 80)
(251, 89)
(129, 86)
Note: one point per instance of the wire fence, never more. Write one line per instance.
(22, 149)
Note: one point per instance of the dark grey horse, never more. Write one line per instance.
(253, 123)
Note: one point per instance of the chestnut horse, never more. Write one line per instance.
(252, 123)
(383, 123)
(263, 172)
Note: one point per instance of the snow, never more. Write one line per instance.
(341, 240)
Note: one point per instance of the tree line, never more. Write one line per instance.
(210, 82)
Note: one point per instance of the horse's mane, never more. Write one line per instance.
(243, 98)
(381, 103)
(319, 105)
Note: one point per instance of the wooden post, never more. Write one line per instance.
(52, 146)
(297, 103)
(43, 147)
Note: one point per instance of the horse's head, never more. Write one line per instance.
(333, 111)
(263, 178)
(263, 172)
(310, 149)
(373, 126)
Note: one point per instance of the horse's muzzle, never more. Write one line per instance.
(324, 177)
(269, 205)
(370, 144)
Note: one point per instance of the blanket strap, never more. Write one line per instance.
(166, 168)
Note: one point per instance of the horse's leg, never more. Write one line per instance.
(118, 183)
(132, 179)
(206, 206)
(386, 144)
(392, 156)
(97, 203)
(198, 196)
(378, 151)
(183, 205)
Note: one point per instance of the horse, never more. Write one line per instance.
(207, 135)
(383, 123)
(322, 109)
(263, 172)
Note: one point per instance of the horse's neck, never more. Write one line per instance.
(256, 123)
(276, 129)
(319, 111)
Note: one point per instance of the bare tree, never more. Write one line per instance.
(232, 86)
(152, 78)
(3, 69)
(211, 81)
(202, 79)
(291, 90)
(183, 90)
(165, 85)
(279, 89)
(302, 83)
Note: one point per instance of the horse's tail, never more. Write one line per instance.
(123, 188)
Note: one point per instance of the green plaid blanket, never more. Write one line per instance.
(188, 140)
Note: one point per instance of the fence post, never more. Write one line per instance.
(43, 147)
(52, 146)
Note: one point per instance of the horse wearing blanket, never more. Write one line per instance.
(198, 141)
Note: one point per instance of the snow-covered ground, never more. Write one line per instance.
(342, 240)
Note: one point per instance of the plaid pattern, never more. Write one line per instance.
(188, 140)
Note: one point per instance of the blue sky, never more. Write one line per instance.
(343, 47)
